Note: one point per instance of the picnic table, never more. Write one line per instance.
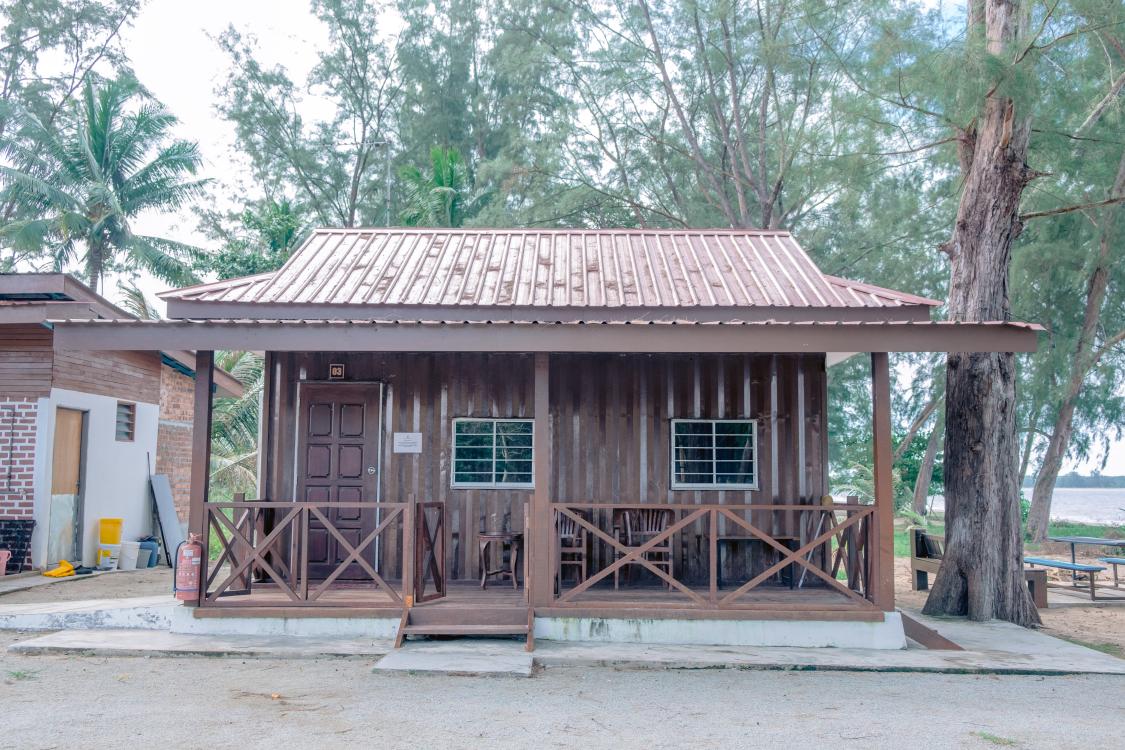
(1074, 541)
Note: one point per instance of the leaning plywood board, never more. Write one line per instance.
(170, 530)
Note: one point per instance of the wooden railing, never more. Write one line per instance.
(263, 547)
(826, 548)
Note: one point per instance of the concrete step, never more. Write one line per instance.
(481, 658)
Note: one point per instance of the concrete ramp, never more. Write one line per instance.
(141, 612)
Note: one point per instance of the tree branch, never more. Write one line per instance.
(1069, 209)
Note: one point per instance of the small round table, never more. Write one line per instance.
(508, 541)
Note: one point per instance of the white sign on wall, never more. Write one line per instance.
(408, 442)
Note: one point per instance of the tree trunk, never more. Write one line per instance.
(982, 569)
(1083, 361)
(926, 471)
(1029, 441)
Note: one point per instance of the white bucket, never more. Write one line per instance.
(128, 558)
(143, 556)
(108, 555)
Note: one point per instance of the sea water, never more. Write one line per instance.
(1084, 505)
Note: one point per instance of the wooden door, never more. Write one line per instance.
(338, 462)
(64, 535)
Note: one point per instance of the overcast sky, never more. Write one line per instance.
(173, 51)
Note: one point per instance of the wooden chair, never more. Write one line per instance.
(637, 526)
(572, 544)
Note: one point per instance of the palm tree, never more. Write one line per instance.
(441, 197)
(83, 184)
(234, 427)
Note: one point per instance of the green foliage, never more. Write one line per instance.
(258, 239)
(442, 195)
(79, 186)
(328, 165)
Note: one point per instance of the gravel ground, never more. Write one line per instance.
(66, 702)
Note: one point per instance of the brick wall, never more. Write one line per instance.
(17, 458)
(173, 441)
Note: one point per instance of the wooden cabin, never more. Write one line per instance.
(581, 434)
(81, 430)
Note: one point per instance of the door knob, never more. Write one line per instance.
(370, 469)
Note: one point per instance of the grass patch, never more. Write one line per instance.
(1106, 648)
(1073, 528)
(996, 739)
(19, 675)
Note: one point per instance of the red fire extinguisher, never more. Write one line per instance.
(189, 555)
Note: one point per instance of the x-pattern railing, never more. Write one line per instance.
(248, 551)
(847, 535)
(429, 551)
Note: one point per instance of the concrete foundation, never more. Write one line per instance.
(887, 634)
(184, 621)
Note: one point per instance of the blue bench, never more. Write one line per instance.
(1114, 561)
(1091, 570)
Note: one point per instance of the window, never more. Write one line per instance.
(719, 454)
(126, 421)
(492, 452)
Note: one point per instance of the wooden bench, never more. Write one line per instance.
(1114, 561)
(926, 551)
(1090, 570)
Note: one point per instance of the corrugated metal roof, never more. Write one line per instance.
(671, 269)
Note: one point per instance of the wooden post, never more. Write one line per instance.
(266, 430)
(883, 583)
(201, 455)
(542, 587)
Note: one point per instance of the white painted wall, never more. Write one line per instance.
(115, 482)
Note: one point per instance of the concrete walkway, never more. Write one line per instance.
(1022, 653)
(139, 626)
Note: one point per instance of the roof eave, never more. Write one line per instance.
(645, 337)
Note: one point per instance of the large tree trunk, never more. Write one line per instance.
(926, 471)
(1083, 361)
(982, 569)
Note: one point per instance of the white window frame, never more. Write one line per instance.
(493, 485)
(714, 484)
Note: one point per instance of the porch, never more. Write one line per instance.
(373, 529)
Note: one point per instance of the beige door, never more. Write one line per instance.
(64, 537)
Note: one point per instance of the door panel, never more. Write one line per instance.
(338, 429)
(64, 525)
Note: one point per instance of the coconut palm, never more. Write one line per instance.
(442, 196)
(83, 184)
(234, 426)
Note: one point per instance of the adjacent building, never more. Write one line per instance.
(81, 431)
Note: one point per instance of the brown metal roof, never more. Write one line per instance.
(521, 268)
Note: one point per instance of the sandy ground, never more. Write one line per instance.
(1101, 627)
(332, 703)
(127, 583)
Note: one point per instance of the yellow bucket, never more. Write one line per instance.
(109, 530)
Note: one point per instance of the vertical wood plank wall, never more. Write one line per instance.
(611, 428)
